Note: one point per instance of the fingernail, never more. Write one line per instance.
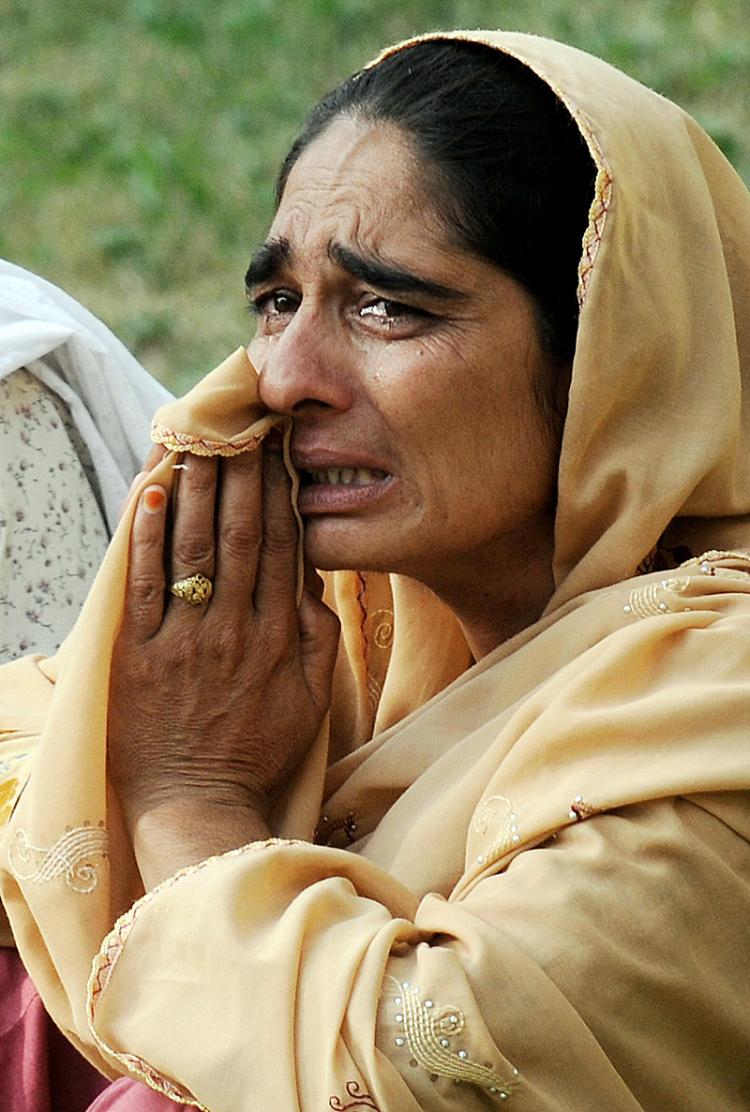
(154, 499)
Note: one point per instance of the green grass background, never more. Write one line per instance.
(139, 139)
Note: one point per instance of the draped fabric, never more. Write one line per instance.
(530, 881)
(75, 408)
(74, 416)
(109, 396)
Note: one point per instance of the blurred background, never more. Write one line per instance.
(139, 139)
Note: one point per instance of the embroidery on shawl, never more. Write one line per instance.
(184, 442)
(382, 624)
(358, 1099)
(374, 691)
(328, 828)
(159, 1083)
(600, 205)
(705, 564)
(603, 188)
(653, 599)
(580, 809)
(430, 1031)
(497, 812)
(70, 857)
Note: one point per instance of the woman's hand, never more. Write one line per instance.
(212, 707)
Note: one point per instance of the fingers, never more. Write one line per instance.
(156, 455)
(193, 542)
(239, 531)
(144, 600)
(319, 638)
(236, 527)
(313, 581)
(276, 582)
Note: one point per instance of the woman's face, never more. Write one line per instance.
(408, 364)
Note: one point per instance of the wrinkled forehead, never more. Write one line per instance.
(357, 182)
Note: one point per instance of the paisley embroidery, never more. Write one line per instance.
(496, 813)
(382, 626)
(70, 857)
(430, 1031)
(358, 1099)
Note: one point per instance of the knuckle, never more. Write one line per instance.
(279, 543)
(145, 590)
(193, 552)
(240, 539)
(199, 483)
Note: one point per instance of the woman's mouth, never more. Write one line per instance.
(346, 475)
(339, 489)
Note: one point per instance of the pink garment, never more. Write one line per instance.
(40, 1071)
(128, 1096)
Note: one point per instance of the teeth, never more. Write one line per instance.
(346, 475)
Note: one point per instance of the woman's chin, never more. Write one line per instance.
(335, 544)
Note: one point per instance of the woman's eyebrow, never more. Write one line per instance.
(268, 261)
(386, 276)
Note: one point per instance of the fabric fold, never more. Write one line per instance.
(508, 901)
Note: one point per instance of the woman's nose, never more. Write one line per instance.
(302, 367)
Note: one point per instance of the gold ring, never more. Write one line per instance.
(196, 589)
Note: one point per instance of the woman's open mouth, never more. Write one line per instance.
(337, 489)
(346, 475)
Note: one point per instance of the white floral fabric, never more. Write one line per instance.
(52, 530)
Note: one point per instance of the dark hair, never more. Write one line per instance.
(506, 166)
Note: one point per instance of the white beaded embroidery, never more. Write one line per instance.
(649, 600)
(428, 1030)
(69, 857)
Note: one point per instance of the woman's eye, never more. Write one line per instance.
(278, 303)
(387, 312)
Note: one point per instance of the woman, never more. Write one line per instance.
(529, 883)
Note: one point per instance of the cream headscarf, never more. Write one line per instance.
(613, 733)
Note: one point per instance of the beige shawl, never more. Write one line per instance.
(544, 895)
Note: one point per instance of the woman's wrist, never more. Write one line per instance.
(177, 833)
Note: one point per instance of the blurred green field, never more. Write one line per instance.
(139, 139)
